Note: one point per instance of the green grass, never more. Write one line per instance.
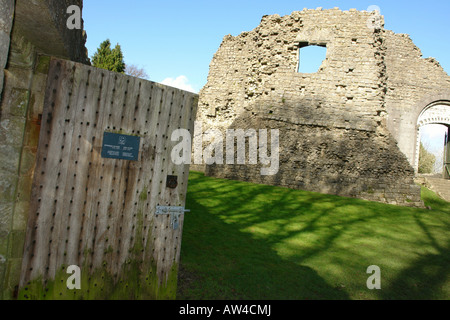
(256, 242)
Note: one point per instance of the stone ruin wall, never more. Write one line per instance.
(414, 83)
(334, 134)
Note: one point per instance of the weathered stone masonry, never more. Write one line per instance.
(335, 125)
(414, 84)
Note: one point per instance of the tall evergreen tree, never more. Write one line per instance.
(109, 59)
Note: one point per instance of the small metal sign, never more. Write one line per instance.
(172, 182)
(120, 146)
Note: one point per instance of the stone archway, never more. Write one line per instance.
(435, 113)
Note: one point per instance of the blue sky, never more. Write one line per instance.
(174, 41)
(179, 38)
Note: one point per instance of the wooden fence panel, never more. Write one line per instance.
(99, 213)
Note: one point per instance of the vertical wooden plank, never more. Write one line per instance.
(63, 132)
(99, 106)
(78, 167)
(37, 238)
(75, 195)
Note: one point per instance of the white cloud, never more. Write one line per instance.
(181, 82)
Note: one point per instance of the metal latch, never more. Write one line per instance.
(174, 212)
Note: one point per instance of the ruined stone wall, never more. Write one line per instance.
(333, 123)
(73, 40)
(44, 24)
(414, 83)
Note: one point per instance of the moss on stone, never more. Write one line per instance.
(43, 64)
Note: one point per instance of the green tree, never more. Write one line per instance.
(426, 160)
(109, 59)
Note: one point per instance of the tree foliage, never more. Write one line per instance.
(109, 59)
(426, 160)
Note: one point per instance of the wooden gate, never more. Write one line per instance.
(96, 212)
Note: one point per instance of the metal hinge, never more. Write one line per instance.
(174, 212)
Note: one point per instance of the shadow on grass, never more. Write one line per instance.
(248, 267)
(235, 266)
(425, 277)
(246, 241)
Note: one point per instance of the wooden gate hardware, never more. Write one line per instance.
(174, 212)
(172, 182)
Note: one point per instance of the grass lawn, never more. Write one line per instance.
(256, 242)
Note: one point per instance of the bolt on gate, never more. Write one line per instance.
(103, 168)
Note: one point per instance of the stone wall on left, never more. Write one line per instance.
(30, 33)
(6, 22)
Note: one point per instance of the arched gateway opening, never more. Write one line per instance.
(437, 113)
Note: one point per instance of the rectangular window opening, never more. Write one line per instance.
(311, 57)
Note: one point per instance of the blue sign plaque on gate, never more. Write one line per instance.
(120, 146)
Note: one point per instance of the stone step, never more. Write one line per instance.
(439, 185)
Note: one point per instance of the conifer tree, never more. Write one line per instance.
(109, 59)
